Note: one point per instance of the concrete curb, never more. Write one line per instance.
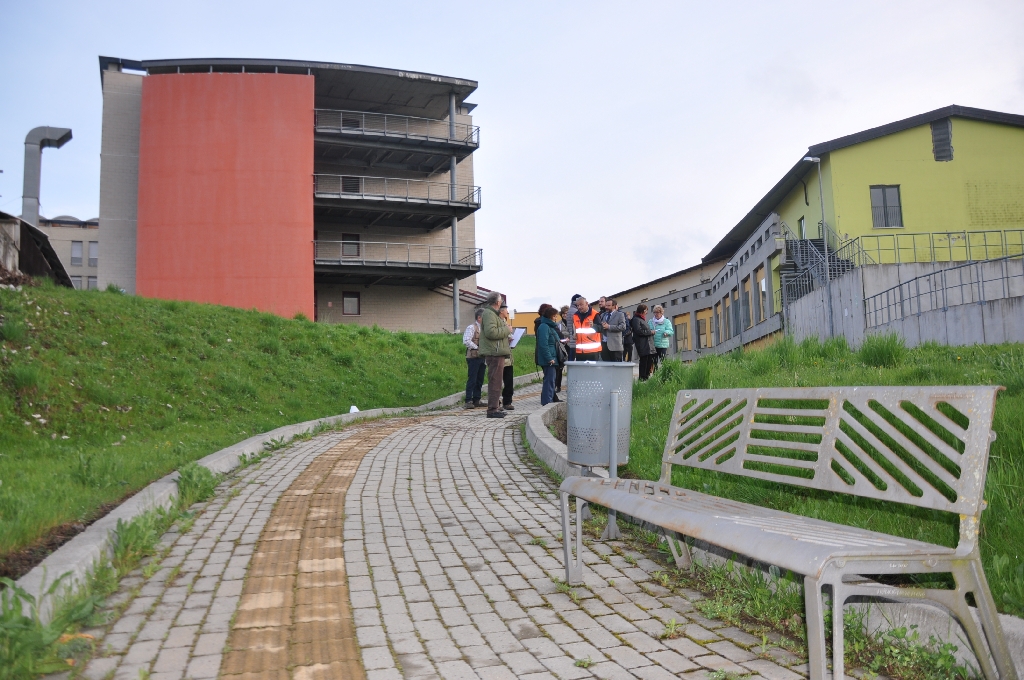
(94, 545)
(881, 615)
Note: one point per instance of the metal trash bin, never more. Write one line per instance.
(588, 410)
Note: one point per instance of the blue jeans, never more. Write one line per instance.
(547, 391)
(475, 381)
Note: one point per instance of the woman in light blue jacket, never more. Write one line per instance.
(662, 328)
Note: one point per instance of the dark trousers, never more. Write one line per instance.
(659, 355)
(507, 374)
(572, 353)
(646, 364)
(475, 381)
(495, 369)
(588, 356)
(547, 392)
(627, 352)
(558, 378)
(606, 354)
(614, 356)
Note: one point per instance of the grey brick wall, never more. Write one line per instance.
(119, 178)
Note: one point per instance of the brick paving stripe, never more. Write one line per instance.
(423, 547)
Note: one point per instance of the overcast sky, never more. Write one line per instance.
(619, 141)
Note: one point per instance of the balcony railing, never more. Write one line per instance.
(388, 125)
(947, 246)
(387, 188)
(411, 255)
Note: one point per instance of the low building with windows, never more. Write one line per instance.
(945, 186)
(341, 192)
(77, 244)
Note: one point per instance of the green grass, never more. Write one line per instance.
(786, 364)
(102, 393)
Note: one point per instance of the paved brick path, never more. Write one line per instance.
(445, 568)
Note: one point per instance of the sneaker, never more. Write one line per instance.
(509, 407)
(469, 405)
(495, 414)
(555, 398)
(479, 404)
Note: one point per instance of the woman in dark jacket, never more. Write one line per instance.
(643, 341)
(547, 353)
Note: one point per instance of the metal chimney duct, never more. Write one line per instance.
(35, 141)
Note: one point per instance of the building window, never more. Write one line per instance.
(886, 212)
(93, 283)
(350, 245)
(76, 253)
(350, 304)
(682, 338)
(802, 226)
(76, 281)
(94, 253)
(942, 139)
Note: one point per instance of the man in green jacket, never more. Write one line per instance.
(494, 348)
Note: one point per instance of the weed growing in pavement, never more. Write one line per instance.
(584, 663)
(28, 647)
(539, 541)
(672, 630)
(195, 483)
(727, 675)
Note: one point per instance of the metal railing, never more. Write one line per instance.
(390, 125)
(970, 283)
(943, 246)
(396, 254)
(387, 188)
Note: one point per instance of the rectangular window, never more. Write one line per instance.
(942, 139)
(886, 212)
(76, 253)
(746, 313)
(94, 253)
(93, 283)
(76, 281)
(682, 338)
(802, 227)
(350, 304)
(350, 245)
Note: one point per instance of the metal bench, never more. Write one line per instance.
(921, 446)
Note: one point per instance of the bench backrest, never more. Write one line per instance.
(923, 446)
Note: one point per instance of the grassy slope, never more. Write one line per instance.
(786, 365)
(196, 378)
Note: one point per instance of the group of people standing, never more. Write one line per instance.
(577, 332)
(602, 332)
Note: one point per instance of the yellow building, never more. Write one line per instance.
(947, 185)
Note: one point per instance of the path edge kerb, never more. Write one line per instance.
(89, 548)
(881, 616)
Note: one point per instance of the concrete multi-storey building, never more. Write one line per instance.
(342, 192)
(886, 206)
(76, 242)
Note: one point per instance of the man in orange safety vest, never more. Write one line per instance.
(586, 332)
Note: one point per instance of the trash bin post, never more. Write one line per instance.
(611, 531)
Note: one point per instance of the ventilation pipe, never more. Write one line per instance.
(35, 141)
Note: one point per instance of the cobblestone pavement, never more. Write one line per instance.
(448, 566)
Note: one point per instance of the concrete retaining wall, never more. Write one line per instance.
(881, 615)
(94, 545)
(966, 321)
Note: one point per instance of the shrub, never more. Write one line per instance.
(299, 316)
(670, 371)
(26, 378)
(886, 350)
(785, 351)
(195, 483)
(698, 377)
(114, 288)
(13, 331)
(135, 539)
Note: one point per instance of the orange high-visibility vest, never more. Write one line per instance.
(588, 338)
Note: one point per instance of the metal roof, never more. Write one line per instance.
(339, 86)
(763, 208)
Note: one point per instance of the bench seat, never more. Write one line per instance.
(799, 544)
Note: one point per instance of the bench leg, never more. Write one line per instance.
(971, 578)
(573, 559)
(838, 631)
(815, 614)
(680, 551)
